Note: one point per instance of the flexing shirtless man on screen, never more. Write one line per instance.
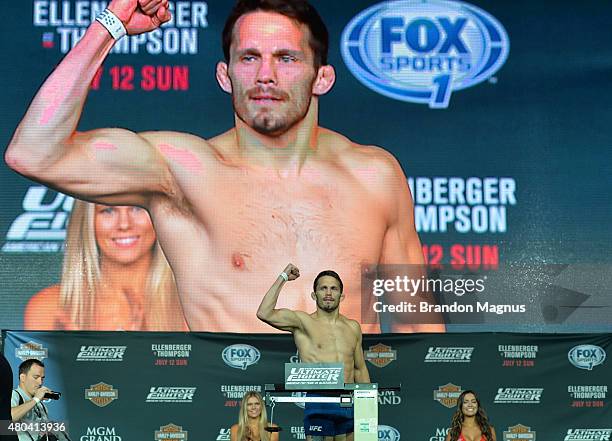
(276, 184)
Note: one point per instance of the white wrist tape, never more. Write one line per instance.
(112, 24)
(284, 276)
(36, 399)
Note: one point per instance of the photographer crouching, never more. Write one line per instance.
(28, 413)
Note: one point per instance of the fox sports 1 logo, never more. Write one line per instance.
(421, 51)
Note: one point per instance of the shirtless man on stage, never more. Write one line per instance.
(276, 184)
(324, 336)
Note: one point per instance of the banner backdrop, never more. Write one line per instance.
(497, 111)
(138, 386)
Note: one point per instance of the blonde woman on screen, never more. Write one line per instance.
(252, 421)
(114, 276)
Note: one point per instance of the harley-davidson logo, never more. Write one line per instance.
(172, 432)
(31, 350)
(101, 394)
(380, 355)
(519, 431)
(447, 395)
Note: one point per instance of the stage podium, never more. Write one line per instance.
(326, 382)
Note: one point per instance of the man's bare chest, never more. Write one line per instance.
(323, 339)
(300, 214)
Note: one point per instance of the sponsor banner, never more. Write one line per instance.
(31, 349)
(389, 398)
(171, 432)
(240, 356)
(174, 354)
(588, 396)
(314, 376)
(101, 353)
(101, 394)
(519, 432)
(588, 435)
(233, 393)
(519, 395)
(165, 397)
(224, 434)
(586, 356)
(380, 355)
(464, 205)
(63, 24)
(455, 354)
(100, 433)
(41, 227)
(388, 433)
(518, 355)
(298, 433)
(421, 53)
(170, 394)
(447, 395)
(237, 391)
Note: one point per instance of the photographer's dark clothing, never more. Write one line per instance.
(6, 387)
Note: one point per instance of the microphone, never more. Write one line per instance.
(273, 429)
(52, 395)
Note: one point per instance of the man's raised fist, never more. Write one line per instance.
(292, 271)
(140, 16)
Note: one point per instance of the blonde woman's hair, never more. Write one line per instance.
(81, 277)
(243, 418)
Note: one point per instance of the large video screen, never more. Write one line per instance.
(484, 127)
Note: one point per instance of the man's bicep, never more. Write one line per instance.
(403, 252)
(285, 319)
(401, 244)
(110, 166)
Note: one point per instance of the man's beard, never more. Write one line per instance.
(269, 121)
(266, 124)
(328, 308)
